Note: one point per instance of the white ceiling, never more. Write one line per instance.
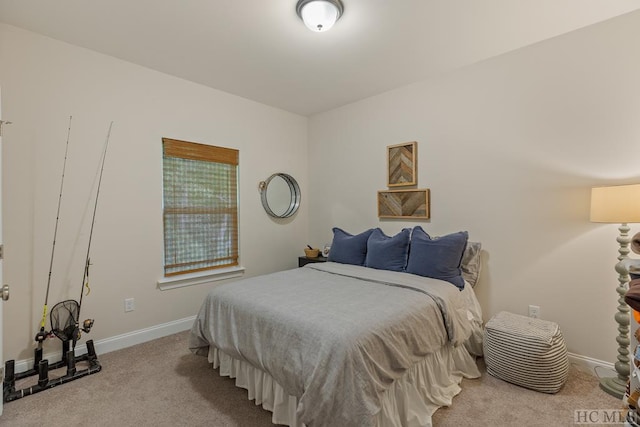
(259, 49)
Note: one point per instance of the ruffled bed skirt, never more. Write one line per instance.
(410, 401)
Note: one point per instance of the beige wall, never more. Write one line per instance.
(44, 82)
(509, 148)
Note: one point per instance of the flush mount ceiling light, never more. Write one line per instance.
(319, 15)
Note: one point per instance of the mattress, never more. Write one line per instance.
(344, 342)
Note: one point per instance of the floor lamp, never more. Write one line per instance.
(618, 204)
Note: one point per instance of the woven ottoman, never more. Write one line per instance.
(525, 351)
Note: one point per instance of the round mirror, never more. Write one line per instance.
(280, 195)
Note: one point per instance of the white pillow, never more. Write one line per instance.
(470, 265)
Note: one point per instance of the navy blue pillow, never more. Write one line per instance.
(347, 248)
(437, 258)
(388, 253)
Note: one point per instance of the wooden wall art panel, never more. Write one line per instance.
(410, 204)
(402, 159)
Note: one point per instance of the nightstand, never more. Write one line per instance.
(303, 260)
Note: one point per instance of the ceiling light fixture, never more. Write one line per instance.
(319, 15)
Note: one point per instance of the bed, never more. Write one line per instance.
(334, 344)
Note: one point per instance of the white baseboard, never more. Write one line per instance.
(595, 367)
(585, 364)
(119, 341)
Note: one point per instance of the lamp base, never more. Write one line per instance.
(613, 386)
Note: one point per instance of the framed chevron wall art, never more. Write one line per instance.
(402, 160)
(408, 204)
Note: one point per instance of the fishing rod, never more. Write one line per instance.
(87, 324)
(65, 315)
(42, 334)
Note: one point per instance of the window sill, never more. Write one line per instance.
(191, 279)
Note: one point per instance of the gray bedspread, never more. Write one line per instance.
(335, 336)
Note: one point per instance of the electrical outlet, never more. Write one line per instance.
(129, 304)
(534, 311)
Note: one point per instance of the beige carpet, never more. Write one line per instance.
(160, 383)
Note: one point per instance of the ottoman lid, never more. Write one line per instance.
(516, 324)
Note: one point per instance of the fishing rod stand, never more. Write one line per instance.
(41, 367)
(64, 322)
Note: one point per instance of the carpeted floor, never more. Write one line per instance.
(160, 383)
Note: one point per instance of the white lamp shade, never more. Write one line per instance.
(618, 204)
(319, 15)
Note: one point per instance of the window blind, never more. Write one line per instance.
(200, 207)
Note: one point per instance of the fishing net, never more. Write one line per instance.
(64, 320)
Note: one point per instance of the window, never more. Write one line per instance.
(200, 207)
